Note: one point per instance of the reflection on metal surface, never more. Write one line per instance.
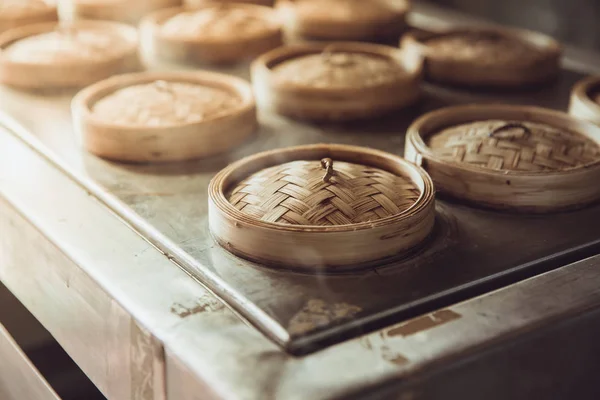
(204, 304)
(317, 313)
(379, 345)
(424, 323)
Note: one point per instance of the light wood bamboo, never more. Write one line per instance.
(127, 11)
(336, 104)
(165, 143)
(9, 20)
(535, 192)
(232, 48)
(466, 73)
(63, 74)
(315, 248)
(583, 100)
(323, 25)
(200, 3)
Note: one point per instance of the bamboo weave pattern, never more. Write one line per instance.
(537, 148)
(295, 193)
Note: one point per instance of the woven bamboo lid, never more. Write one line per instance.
(337, 81)
(213, 32)
(323, 193)
(509, 156)
(51, 55)
(505, 145)
(344, 205)
(14, 13)
(585, 100)
(487, 57)
(164, 116)
(345, 19)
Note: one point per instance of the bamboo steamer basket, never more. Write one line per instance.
(54, 56)
(200, 3)
(17, 13)
(321, 207)
(509, 157)
(127, 11)
(486, 57)
(337, 81)
(345, 19)
(161, 117)
(585, 100)
(176, 34)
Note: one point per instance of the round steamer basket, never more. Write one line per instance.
(128, 11)
(585, 100)
(345, 19)
(336, 81)
(160, 117)
(486, 57)
(200, 3)
(509, 157)
(34, 56)
(26, 12)
(222, 44)
(321, 207)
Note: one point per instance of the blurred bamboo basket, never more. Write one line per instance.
(509, 157)
(225, 43)
(15, 15)
(585, 100)
(486, 57)
(336, 81)
(128, 11)
(200, 3)
(344, 19)
(31, 58)
(321, 207)
(162, 117)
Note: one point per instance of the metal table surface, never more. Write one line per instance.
(90, 266)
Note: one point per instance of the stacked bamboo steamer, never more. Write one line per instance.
(321, 207)
(336, 81)
(509, 157)
(486, 57)
(344, 19)
(126, 11)
(52, 55)
(161, 117)
(217, 33)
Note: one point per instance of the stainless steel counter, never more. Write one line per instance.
(140, 327)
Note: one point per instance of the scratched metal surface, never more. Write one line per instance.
(473, 250)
